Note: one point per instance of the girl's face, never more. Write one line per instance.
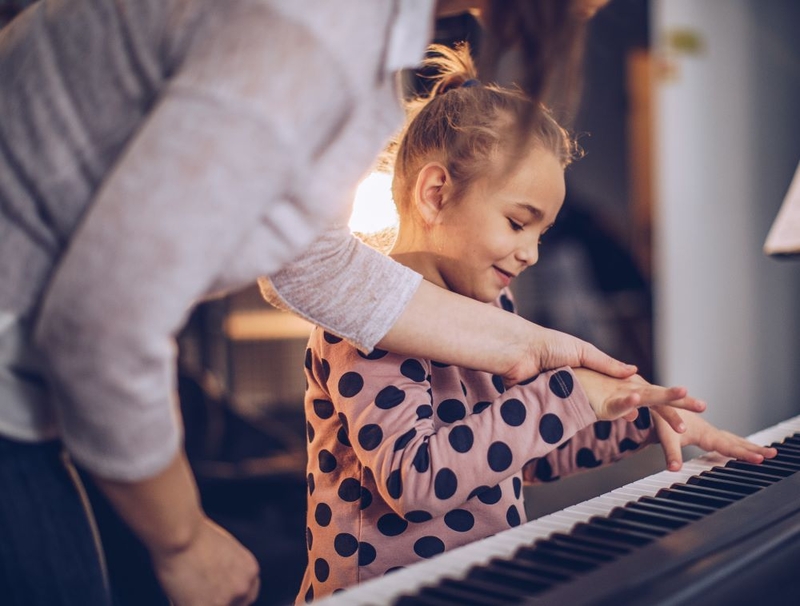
(487, 237)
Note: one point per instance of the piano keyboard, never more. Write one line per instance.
(580, 548)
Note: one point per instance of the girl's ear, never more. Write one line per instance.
(432, 191)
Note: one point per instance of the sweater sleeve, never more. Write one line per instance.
(344, 286)
(385, 402)
(211, 191)
(601, 443)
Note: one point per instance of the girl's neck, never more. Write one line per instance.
(415, 253)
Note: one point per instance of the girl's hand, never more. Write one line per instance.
(614, 398)
(701, 433)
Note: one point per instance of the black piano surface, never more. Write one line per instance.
(728, 535)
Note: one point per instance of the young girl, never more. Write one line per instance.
(410, 457)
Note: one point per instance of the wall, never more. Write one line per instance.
(727, 137)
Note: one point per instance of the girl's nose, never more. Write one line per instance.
(529, 254)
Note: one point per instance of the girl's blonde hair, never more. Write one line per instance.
(462, 124)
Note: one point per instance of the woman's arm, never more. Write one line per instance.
(369, 299)
(445, 326)
(196, 561)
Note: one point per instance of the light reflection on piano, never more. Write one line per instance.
(716, 532)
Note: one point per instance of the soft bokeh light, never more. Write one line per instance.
(373, 209)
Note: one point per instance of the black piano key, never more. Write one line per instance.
(574, 547)
(793, 440)
(552, 555)
(787, 448)
(635, 539)
(508, 578)
(638, 514)
(546, 573)
(629, 525)
(600, 545)
(790, 460)
(470, 592)
(676, 493)
(727, 485)
(764, 468)
(678, 505)
(737, 475)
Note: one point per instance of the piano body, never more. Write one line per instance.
(718, 531)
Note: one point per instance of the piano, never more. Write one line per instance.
(718, 531)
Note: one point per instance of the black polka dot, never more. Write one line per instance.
(643, 420)
(427, 547)
(350, 384)
(463, 388)
(343, 421)
(350, 490)
(544, 471)
(403, 440)
(627, 444)
(413, 370)
(497, 381)
(480, 407)
(342, 436)
(425, 411)
(345, 544)
(310, 482)
(366, 554)
(389, 397)
(439, 364)
(512, 516)
(308, 359)
(550, 428)
(517, 483)
(366, 498)
(506, 303)
(499, 456)
(561, 383)
(394, 484)
(529, 380)
(331, 338)
(326, 370)
(490, 496)
(370, 436)
(451, 411)
(321, 570)
(393, 569)
(459, 520)
(418, 516)
(422, 459)
(322, 514)
(309, 538)
(513, 412)
(327, 462)
(310, 431)
(391, 525)
(585, 458)
(309, 597)
(375, 354)
(476, 491)
(602, 430)
(323, 409)
(461, 438)
(445, 483)
(564, 444)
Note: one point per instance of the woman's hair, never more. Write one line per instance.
(463, 124)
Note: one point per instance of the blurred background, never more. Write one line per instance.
(690, 120)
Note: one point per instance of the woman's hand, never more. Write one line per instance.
(549, 349)
(701, 433)
(213, 569)
(613, 398)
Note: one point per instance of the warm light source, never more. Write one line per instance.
(373, 209)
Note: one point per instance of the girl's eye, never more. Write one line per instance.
(516, 226)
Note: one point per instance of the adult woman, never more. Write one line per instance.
(153, 152)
